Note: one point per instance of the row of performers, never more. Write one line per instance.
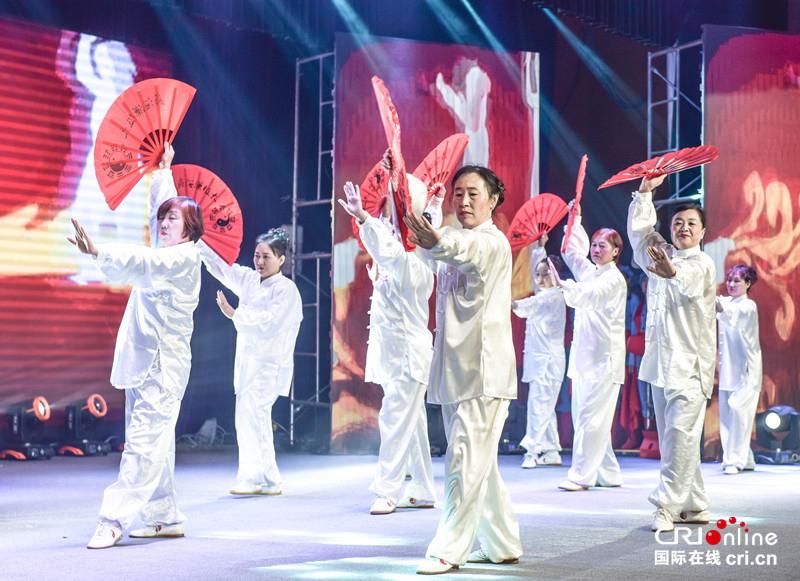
(470, 372)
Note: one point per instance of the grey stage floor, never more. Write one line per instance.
(320, 527)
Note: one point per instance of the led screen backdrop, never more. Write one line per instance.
(752, 192)
(58, 317)
(438, 90)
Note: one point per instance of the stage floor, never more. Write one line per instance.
(320, 527)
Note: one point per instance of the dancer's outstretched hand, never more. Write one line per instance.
(224, 305)
(82, 240)
(352, 202)
(662, 265)
(423, 233)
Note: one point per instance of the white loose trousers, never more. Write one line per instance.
(477, 502)
(593, 459)
(146, 485)
(253, 419)
(680, 413)
(541, 432)
(405, 448)
(737, 410)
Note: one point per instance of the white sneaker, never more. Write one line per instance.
(382, 505)
(481, 556)
(662, 520)
(409, 502)
(246, 488)
(571, 486)
(529, 461)
(165, 531)
(107, 534)
(699, 517)
(550, 458)
(433, 566)
(270, 489)
(731, 470)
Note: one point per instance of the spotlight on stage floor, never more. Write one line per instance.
(778, 431)
(84, 420)
(25, 431)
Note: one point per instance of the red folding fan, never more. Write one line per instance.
(397, 176)
(439, 163)
(578, 195)
(671, 162)
(130, 140)
(222, 217)
(537, 216)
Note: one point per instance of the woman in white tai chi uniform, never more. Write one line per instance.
(152, 358)
(597, 356)
(678, 359)
(399, 355)
(267, 321)
(473, 374)
(544, 360)
(739, 369)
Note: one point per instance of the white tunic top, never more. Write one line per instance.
(267, 321)
(399, 339)
(599, 296)
(740, 364)
(158, 317)
(679, 338)
(473, 351)
(546, 315)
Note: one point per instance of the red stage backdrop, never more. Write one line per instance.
(752, 114)
(58, 317)
(438, 90)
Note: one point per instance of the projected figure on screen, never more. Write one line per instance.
(101, 70)
(530, 97)
(467, 99)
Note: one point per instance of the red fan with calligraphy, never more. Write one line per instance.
(222, 217)
(397, 176)
(537, 216)
(578, 195)
(130, 139)
(671, 162)
(439, 163)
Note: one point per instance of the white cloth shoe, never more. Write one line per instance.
(409, 502)
(699, 517)
(433, 566)
(271, 489)
(107, 534)
(246, 488)
(550, 458)
(571, 486)
(731, 470)
(382, 505)
(481, 556)
(662, 520)
(529, 461)
(164, 531)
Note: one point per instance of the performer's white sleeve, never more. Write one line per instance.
(142, 266)
(576, 252)
(162, 188)
(233, 276)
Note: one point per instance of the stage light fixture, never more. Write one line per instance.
(24, 435)
(83, 422)
(778, 432)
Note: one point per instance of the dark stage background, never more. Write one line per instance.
(240, 56)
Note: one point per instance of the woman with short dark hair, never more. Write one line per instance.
(152, 358)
